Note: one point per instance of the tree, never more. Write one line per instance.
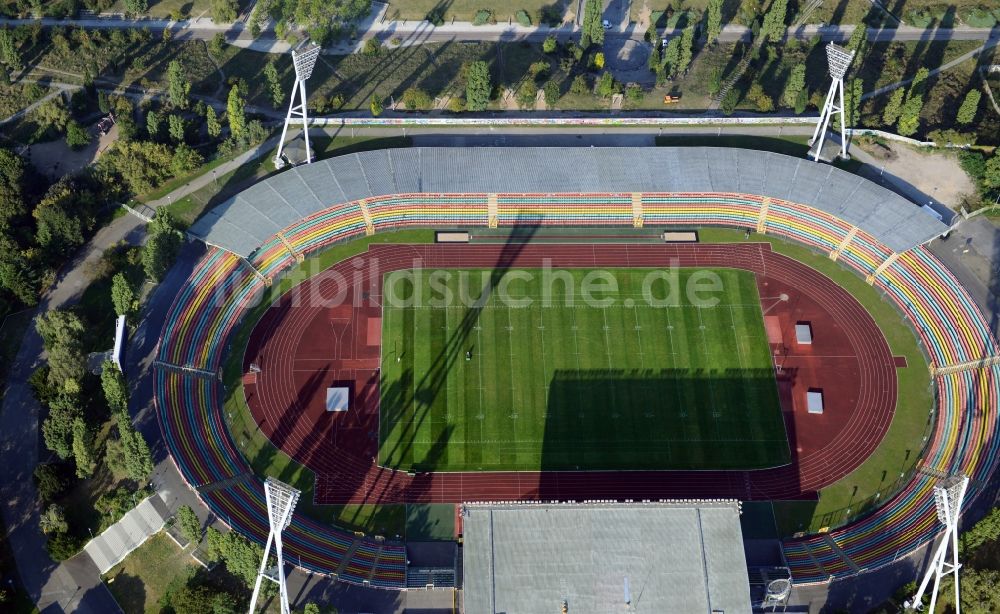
(83, 449)
(59, 217)
(687, 48)
(76, 135)
(235, 112)
(991, 172)
(967, 111)
(185, 160)
(606, 85)
(527, 93)
(714, 20)
(139, 165)
(597, 62)
(372, 48)
(579, 85)
(49, 481)
(57, 428)
(115, 388)
(136, 7)
(376, 105)
(794, 86)
(62, 336)
(909, 118)
(984, 531)
(551, 91)
(311, 608)
(9, 54)
(224, 11)
(123, 296)
(477, 87)
(415, 99)
(773, 28)
(593, 23)
(858, 43)
(138, 459)
(212, 124)
(53, 520)
(241, 557)
(672, 56)
(274, 83)
(153, 120)
(893, 107)
(178, 87)
(550, 44)
(189, 524)
(176, 127)
(163, 242)
(19, 272)
(730, 100)
(760, 98)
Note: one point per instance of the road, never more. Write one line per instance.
(422, 32)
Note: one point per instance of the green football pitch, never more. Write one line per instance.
(482, 373)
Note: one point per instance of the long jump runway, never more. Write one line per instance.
(326, 332)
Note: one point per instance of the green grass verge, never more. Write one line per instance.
(263, 457)
(531, 377)
(877, 478)
(140, 582)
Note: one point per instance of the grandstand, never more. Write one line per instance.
(261, 232)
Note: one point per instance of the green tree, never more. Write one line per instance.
(714, 20)
(858, 43)
(241, 557)
(189, 524)
(163, 242)
(123, 295)
(217, 45)
(136, 7)
(185, 160)
(175, 127)
(153, 121)
(224, 11)
(236, 113)
(893, 107)
(19, 272)
(579, 85)
(49, 481)
(76, 135)
(730, 100)
(991, 172)
(212, 125)
(178, 87)
(527, 93)
(967, 111)
(53, 520)
(606, 85)
(549, 45)
(794, 86)
(139, 165)
(115, 387)
(376, 106)
(372, 47)
(83, 449)
(57, 428)
(593, 23)
(773, 28)
(687, 49)
(477, 87)
(311, 608)
(274, 83)
(138, 459)
(984, 531)
(551, 91)
(62, 336)
(672, 56)
(9, 54)
(416, 99)
(909, 117)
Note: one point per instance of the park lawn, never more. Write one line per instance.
(465, 10)
(891, 464)
(264, 458)
(141, 580)
(562, 383)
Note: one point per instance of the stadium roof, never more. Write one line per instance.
(246, 221)
(674, 557)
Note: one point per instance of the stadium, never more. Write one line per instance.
(794, 379)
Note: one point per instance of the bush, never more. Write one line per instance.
(49, 480)
(580, 85)
(483, 17)
(523, 18)
(189, 524)
(633, 93)
(76, 135)
(550, 45)
(605, 85)
(730, 100)
(376, 105)
(417, 99)
(372, 47)
(436, 16)
(551, 91)
(62, 546)
(538, 69)
(952, 137)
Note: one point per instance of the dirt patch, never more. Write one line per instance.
(934, 172)
(55, 159)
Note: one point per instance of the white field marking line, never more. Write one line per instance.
(576, 344)
(545, 370)
(739, 345)
(638, 337)
(510, 352)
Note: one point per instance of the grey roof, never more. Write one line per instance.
(246, 221)
(676, 557)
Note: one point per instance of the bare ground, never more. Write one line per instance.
(934, 172)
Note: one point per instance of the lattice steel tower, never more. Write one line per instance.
(304, 60)
(948, 497)
(839, 60)
(281, 499)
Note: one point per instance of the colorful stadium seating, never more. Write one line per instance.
(950, 328)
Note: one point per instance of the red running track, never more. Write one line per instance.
(327, 330)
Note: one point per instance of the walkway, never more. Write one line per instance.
(117, 541)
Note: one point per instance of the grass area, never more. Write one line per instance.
(465, 10)
(140, 582)
(430, 521)
(877, 478)
(641, 375)
(257, 448)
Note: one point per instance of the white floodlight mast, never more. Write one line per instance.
(304, 61)
(281, 499)
(948, 498)
(839, 60)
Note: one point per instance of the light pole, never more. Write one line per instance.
(303, 60)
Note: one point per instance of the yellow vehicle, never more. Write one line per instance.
(668, 99)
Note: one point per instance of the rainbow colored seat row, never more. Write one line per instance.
(949, 325)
